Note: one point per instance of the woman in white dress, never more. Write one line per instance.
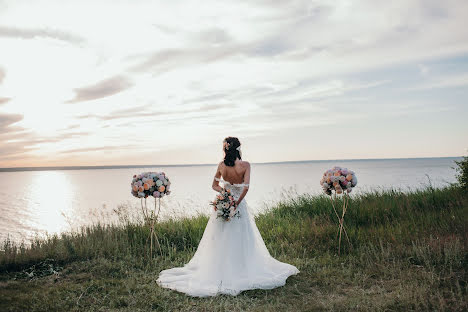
(231, 256)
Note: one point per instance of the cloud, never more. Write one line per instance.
(440, 82)
(95, 149)
(213, 36)
(2, 75)
(145, 110)
(3, 100)
(136, 111)
(17, 142)
(168, 59)
(423, 69)
(11, 135)
(10, 150)
(32, 33)
(101, 89)
(7, 120)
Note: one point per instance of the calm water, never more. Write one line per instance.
(38, 202)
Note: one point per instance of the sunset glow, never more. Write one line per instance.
(163, 82)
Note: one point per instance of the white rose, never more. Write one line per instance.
(159, 183)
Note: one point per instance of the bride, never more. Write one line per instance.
(231, 256)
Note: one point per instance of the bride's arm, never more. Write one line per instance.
(247, 182)
(215, 184)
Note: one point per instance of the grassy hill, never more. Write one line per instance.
(409, 253)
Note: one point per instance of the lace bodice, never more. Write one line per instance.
(236, 188)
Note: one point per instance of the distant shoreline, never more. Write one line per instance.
(54, 168)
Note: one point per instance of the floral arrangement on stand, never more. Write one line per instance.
(339, 181)
(224, 204)
(155, 184)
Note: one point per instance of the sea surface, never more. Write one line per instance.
(38, 203)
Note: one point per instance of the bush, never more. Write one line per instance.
(462, 172)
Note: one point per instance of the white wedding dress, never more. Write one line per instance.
(230, 258)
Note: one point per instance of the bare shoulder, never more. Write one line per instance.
(245, 164)
(221, 164)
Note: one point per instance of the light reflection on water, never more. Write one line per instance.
(33, 203)
(53, 191)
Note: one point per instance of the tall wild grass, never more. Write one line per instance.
(408, 252)
(301, 225)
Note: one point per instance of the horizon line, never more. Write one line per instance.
(46, 168)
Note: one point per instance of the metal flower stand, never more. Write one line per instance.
(341, 226)
(151, 217)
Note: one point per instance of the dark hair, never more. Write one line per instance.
(231, 153)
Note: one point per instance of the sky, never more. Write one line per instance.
(164, 82)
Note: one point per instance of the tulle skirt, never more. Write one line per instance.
(230, 258)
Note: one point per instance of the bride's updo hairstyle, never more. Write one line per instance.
(231, 147)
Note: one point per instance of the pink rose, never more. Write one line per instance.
(156, 194)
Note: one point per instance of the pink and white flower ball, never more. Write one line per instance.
(154, 184)
(338, 179)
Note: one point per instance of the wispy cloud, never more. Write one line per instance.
(148, 112)
(32, 33)
(3, 100)
(264, 67)
(96, 149)
(2, 74)
(440, 82)
(6, 120)
(165, 60)
(101, 89)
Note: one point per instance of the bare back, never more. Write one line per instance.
(239, 173)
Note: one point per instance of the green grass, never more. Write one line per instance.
(409, 253)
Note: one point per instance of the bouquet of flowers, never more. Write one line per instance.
(154, 184)
(224, 205)
(339, 180)
(342, 181)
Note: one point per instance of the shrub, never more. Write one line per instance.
(462, 172)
